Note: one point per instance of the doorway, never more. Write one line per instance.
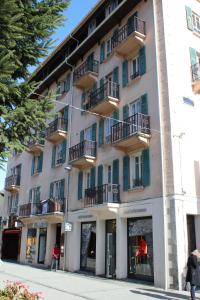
(11, 244)
(42, 245)
(191, 233)
(111, 248)
(88, 246)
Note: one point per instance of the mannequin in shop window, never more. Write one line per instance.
(141, 252)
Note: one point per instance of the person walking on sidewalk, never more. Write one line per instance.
(193, 276)
(55, 257)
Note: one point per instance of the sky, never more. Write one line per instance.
(74, 14)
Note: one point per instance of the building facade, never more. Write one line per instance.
(116, 182)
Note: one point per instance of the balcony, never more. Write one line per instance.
(86, 74)
(104, 197)
(35, 147)
(104, 99)
(129, 38)
(57, 130)
(12, 183)
(132, 134)
(83, 155)
(195, 69)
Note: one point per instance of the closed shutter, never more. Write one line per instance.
(100, 175)
(124, 73)
(146, 168)
(66, 113)
(115, 116)
(51, 190)
(40, 162)
(102, 52)
(80, 185)
(126, 173)
(81, 136)
(101, 132)
(64, 149)
(189, 18)
(142, 61)
(125, 112)
(92, 177)
(116, 75)
(115, 175)
(62, 189)
(193, 56)
(53, 159)
(94, 130)
(30, 195)
(144, 104)
(33, 166)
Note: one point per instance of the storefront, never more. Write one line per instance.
(111, 248)
(88, 246)
(140, 248)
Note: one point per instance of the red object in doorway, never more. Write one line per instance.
(12, 231)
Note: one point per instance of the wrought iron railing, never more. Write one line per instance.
(109, 89)
(195, 69)
(106, 193)
(48, 206)
(25, 210)
(57, 124)
(85, 148)
(39, 141)
(87, 66)
(122, 34)
(138, 123)
(12, 180)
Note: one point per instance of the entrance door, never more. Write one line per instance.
(42, 246)
(11, 242)
(191, 233)
(110, 248)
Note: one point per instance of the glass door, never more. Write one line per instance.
(110, 248)
(42, 245)
(88, 246)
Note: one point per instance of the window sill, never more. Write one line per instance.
(108, 58)
(58, 165)
(136, 189)
(36, 173)
(196, 33)
(134, 80)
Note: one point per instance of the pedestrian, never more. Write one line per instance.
(55, 257)
(192, 275)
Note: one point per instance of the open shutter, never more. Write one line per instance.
(64, 148)
(33, 166)
(126, 173)
(62, 189)
(40, 162)
(116, 75)
(125, 112)
(115, 116)
(115, 175)
(80, 185)
(101, 132)
(51, 190)
(81, 136)
(100, 175)
(66, 113)
(92, 177)
(94, 130)
(53, 159)
(146, 168)
(102, 52)
(193, 56)
(189, 18)
(30, 195)
(124, 73)
(144, 104)
(142, 60)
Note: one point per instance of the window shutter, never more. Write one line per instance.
(100, 175)
(189, 18)
(33, 166)
(53, 160)
(125, 112)
(144, 104)
(115, 175)
(80, 185)
(67, 83)
(40, 162)
(38, 195)
(64, 148)
(116, 75)
(92, 177)
(115, 116)
(62, 189)
(94, 130)
(142, 60)
(101, 132)
(126, 173)
(102, 52)
(66, 113)
(83, 97)
(30, 195)
(124, 73)
(81, 136)
(51, 190)
(193, 56)
(146, 168)
(101, 82)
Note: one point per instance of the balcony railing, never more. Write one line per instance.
(40, 141)
(25, 210)
(106, 193)
(13, 180)
(138, 123)
(87, 66)
(56, 125)
(138, 25)
(108, 90)
(85, 148)
(137, 183)
(48, 206)
(195, 72)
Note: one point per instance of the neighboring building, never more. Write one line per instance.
(120, 162)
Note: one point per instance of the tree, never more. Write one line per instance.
(26, 27)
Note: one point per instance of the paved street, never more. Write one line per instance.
(70, 286)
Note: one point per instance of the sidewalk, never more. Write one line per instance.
(72, 286)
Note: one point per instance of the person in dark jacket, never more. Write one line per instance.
(193, 272)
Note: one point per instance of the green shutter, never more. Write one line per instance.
(193, 56)
(62, 189)
(146, 168)
(53, 159)
(125, 112)
(80, 185)
(33, 166)
(40, 162)
(30, 195)
(66, 113)
(64, 149)
(100, 175)
(115, 116)
(115, 175)
(101, 132)
(81, 136)
(144, 104)
(126, 173)
(116, 75)
(124, 73)
(189, 18)
(94, 130)
(102, 52)
(51, 190)
(101, 82)
(142, 61)
(92, 177)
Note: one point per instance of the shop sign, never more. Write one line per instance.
(68, 226)
(42, 224)
(85, 217)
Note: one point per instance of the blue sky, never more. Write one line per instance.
(74, 14)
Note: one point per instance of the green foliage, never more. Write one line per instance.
(26, 27)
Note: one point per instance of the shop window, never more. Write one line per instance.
(31, 245)
(88, 246)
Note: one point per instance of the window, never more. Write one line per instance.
(134, 67)
(196, 22)
(57, 189)
(88, 134)
(135, 107)
(112, 5)
(136, 170)
(87, 179)
(109, 122)
(108, 47)
(13, 203)
(37, 163)
(59, 154)
(67, 83)
(34, 195)
(91, 26)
